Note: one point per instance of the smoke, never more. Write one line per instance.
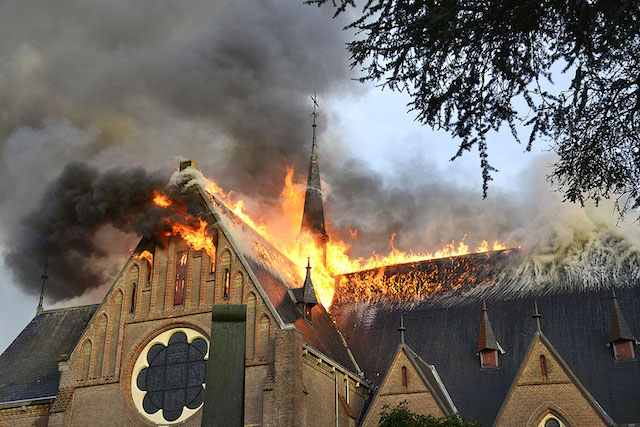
(79, 212)
(144, 84)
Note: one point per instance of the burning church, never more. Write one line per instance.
(463, 333)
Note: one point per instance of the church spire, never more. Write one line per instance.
(313, 214)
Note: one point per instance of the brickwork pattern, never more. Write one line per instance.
(392, 392)
(534, 396)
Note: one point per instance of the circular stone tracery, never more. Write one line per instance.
(170, 375)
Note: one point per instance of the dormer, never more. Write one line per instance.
(306, 295)
(620, 337)
(488, 346)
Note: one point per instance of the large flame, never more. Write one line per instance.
(282, 229)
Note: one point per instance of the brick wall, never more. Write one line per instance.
(391, 392)
(534, 395)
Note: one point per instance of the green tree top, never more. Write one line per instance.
(473, 66)
(401, 416)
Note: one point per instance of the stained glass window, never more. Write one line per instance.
(175, 376)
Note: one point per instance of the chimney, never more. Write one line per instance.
(224, 392)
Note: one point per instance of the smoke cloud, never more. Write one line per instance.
(86, 86)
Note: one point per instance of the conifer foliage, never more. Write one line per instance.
(473, 66)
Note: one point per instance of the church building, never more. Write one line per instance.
(496, 356)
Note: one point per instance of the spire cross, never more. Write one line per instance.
(314, 114)
(402, 329)
(537, 315)
(44, 278)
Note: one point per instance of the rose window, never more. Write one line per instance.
(169, 376)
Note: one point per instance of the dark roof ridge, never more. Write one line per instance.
(75, 307)
(469, 255)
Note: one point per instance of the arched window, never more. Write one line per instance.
(133, 297)
(551, 420)
(181, 276)
(264, 337)
(85, 360)
(237, 286)
(405, 379)
(251, 325)
(227, 284)
(134, 273)
(101, 336)
(115, 332)
(543, 367)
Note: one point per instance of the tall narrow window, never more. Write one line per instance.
(264, 337)
(86, 360)
(227, 285)
(405, 379)
(543, 367)
(251, 326)
(101, 337)
(133, 298)
(307, 311)
(181, 274)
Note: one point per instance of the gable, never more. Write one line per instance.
(545, 385)
(403, 382)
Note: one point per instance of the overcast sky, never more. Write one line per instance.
(121, 84)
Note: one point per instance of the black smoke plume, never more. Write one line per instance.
(64, 228)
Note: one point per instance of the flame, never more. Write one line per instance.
(161, 199)
(145, 255)
(196, 238)
(280, 226)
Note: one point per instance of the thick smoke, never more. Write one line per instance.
(143, 83)
(75, 216)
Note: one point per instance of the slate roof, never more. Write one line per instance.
(29, 366)
(278, 277)
(446, 335)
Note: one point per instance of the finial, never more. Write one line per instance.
(484, 305)
(402, 329)
(44, 278)
(537, 315)
(314, 115)
(308, 263)
(613, 293)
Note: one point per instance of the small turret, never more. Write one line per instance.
(620, 336)
(306, 295)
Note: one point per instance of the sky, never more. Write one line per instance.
(122, 85)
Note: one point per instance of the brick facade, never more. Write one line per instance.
(534, 394)
(392, 391)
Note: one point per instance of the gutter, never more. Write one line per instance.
(27, 402)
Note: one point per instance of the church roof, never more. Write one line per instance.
(278, 276)
(445, 334)
(29, 366)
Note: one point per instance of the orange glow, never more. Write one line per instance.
(145, 255)
(161, 200)
(280, 226)
(196, 238)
